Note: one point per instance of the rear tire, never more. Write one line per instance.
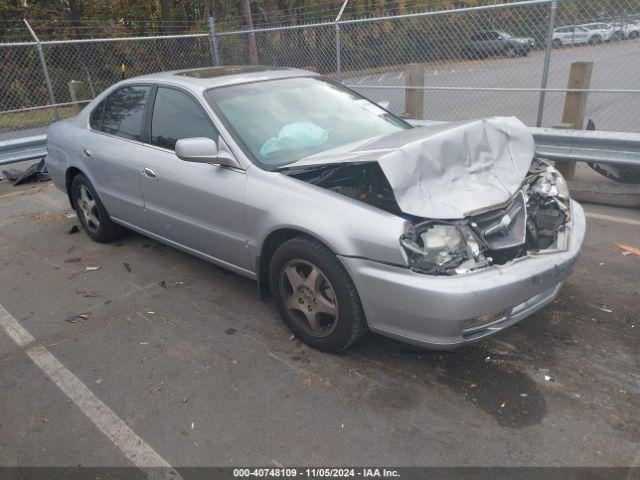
(315, 295)
(595, 40)
(93, 216)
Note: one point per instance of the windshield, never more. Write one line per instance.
(281, 121)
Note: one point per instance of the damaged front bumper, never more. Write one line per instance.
(445, 312)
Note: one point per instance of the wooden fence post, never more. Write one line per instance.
(414, 98)
(78, 93)
(575, 107)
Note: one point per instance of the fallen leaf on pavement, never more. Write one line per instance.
(628, 249)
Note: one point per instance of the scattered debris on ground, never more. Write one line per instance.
(87, 293)
(127, 267)
(76, 318)
(92, 269)
(35, 173)
(73, 260)
(604, 307)
(628, 250)
(74, 229)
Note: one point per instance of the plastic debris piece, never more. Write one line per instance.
(306, 382)
(71, 215)
(72, 260)
(87, 293)
(36, 172)
(547, 378)
(628, 250)
(605, 308)
(127, 267)
(98, 381)
(81, 317)
(92, 269)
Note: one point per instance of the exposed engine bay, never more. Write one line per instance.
(533, 221)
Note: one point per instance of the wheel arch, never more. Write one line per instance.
(70, 174)
(269, 245)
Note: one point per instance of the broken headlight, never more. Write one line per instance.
(442, 249)
(550, 183)
(547, 208)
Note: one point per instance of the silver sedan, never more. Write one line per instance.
(348, 217)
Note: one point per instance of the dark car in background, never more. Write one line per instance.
(485, 43)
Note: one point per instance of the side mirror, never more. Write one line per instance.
(203, 150)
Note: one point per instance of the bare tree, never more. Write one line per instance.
(253, 48)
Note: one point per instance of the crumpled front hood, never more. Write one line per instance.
(447, 171)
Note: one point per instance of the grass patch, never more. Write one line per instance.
(33, 118)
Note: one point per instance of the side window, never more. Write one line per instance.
(95, 120)
(175, 116)
(124, 112)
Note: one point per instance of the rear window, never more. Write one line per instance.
(122, 113)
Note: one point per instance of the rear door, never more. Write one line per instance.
(112, 152)
(196, 205)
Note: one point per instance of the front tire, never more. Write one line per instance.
(93, 216)
(315, 295)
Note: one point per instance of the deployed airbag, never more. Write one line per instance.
(294, 136)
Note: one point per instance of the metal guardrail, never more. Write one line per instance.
(21, 149)
(613, 148)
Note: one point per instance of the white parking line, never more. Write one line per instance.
(382, 77)
(131, 445)
(363, 79)
(609, 218)
(400, 75)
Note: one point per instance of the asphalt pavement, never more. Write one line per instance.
(157, 355)
(616, 67)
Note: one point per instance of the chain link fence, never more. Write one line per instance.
(470, 62)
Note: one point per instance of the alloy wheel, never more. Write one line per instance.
(309, 298)
(88, 208)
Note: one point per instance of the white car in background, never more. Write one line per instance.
(572, 35)
(626, 29)
(600, 29)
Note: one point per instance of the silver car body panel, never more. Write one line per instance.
(428, 310)
(224, 215)
(447, 171)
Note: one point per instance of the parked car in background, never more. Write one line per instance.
(486, 43)
(603, 32)
(347, 216)
(625, 29)
(573, 35)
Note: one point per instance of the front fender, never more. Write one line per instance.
(348, 227)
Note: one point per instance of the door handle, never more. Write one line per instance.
(147, 172)
(86, 152)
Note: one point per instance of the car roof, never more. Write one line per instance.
(210, 77)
